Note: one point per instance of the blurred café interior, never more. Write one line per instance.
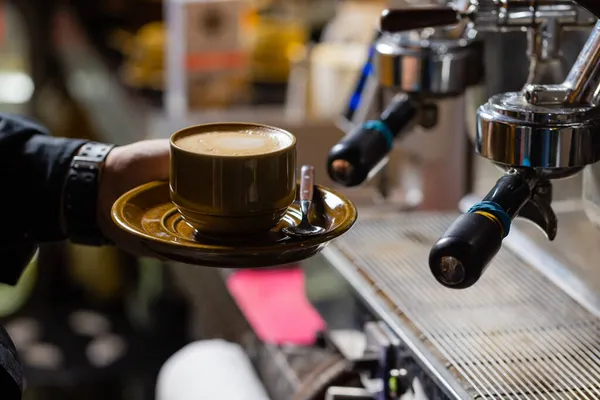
(365, 318)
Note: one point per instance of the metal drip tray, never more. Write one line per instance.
(514, 335)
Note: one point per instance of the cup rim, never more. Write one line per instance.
(181, 132)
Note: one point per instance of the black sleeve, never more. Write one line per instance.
(33, 167)
(11, 372)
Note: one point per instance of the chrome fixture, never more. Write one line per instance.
(417, 83)
(544, 132)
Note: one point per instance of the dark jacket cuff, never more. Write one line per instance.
(50, 159)
(11, 372)
(33, 168)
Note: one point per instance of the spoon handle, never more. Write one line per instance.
(307, 183)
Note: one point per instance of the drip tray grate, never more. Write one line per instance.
(514, 335)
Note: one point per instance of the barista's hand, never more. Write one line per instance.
(126, 168)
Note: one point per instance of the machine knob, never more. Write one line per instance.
(411, 18)
(351, 161)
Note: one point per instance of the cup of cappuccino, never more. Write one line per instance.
(232, 178)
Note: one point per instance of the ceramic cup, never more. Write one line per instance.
(234, 193)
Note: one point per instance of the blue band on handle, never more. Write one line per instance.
(381, 128)
(496, 210)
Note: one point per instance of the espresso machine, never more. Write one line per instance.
(542, 133)
(530, 327)
(413, 91)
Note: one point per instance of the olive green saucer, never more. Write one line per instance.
(148, 214)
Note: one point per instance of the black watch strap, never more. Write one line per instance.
(81, 194)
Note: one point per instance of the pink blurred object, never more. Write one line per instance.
(275, 304)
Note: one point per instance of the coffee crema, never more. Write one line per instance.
(235, 143)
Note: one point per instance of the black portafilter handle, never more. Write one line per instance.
(420, 17)
(351, 160)
(461, 255)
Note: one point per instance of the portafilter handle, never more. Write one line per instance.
(420, 17)
(461, 255)
(357, 155)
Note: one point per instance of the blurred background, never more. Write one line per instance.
(96, 323)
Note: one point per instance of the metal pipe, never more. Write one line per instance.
(584, 78)
(583, 81)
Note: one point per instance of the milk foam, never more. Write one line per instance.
(235, 143)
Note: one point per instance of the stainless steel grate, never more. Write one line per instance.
(514, 335)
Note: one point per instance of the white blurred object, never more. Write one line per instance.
(17, 87)
(349, 16)
(334, 68)
(209, 370)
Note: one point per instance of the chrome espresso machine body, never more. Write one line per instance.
(413, 91)
(529, 328)
(544, 132)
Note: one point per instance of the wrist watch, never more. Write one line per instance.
(80, 202)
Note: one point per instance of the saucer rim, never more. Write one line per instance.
(122, 222)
